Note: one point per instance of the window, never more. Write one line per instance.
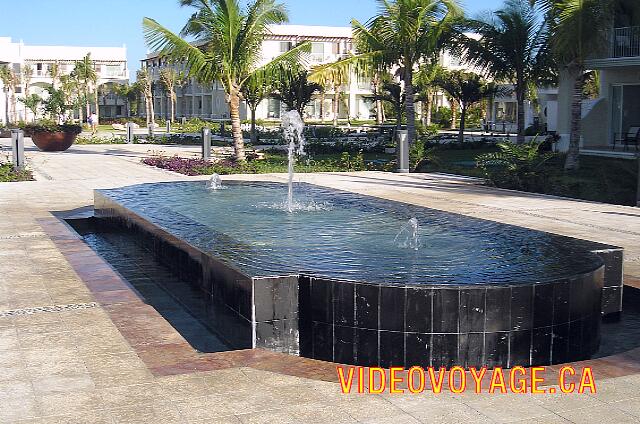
(317, 48)
(285, 46)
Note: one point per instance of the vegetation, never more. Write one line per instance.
(8, 174)
(47, 126)
(467, 89)
(229, 48)
(295, 91)
(86, 79)
(512, 47)
(32, 102)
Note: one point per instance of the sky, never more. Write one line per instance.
(113, 23)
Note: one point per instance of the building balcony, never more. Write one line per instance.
(623, 50)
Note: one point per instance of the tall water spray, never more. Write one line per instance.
(292, 130)
(409, 235)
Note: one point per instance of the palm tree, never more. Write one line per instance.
(334, 77)
(145, 82)
(170, 79)
(27, 75)
(54, 73)
(512, 47)
(256, 89)
(392, 93)
(426, 88)
(227, 48)
(295, 91)
(467, 89)
(86, 74)
(73, 91)
(9, 81)
(403, 34)
(578, 28)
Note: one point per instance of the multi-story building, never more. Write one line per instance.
(110, 64)
(610, 123)
(328, 45)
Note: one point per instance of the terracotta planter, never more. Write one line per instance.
(53, 141)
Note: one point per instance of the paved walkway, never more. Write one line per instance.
(73, 364)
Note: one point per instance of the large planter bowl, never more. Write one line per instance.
(53, 141)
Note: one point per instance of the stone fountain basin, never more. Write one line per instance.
(327, 281)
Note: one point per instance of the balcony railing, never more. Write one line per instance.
(625, 42)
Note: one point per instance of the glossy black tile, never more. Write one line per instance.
(444, 351)
(366, 348)
(418, 350)
(367, 306)
(498, 309)
(496, 348)
(344, 344)
(418, 316)
(392, 349)
(472, 309)
(446, 310)
(344, 310)
(323, 341)
(322, 300)
(392, 308)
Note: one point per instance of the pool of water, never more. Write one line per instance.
(340, 235)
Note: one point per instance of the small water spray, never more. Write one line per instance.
(215, 183)
(409, 235)
(292, 130)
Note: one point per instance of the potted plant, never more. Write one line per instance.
(54, 134)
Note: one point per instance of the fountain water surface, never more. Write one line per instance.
(409, 235)
(292, 130)
(215, 183)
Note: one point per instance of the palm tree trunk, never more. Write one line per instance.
(14, 106)
(572, 162)
(254, 134)
(151, 110)
(322, 96)
(429, 110)
(236, 130)
(173, 106)
(409, 103)
(376, 92)
(454, 114)
(520, 94)
(336, 104)
(97, 104)
(463, 116)
(6, 106)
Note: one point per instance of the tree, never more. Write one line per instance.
(256, 89)
(512, 47)
(228, 48)
(27, 75)
(86, 75)
(295, 91)
(54, 73)
(170, 79)
(32, 102)
(426, 88)
(467, 89)
(391, 92)
(145, 82)
(403, 34)
(578, 28)
(73, 91)
(9, 81)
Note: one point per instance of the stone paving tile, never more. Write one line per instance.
(77, 366)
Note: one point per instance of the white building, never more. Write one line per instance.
(110, 64)
(328, 45)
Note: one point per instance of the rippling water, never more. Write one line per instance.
(348, 236)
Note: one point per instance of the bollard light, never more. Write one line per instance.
(206, 143)
(17, 148)
(402, 151)
(129, 132)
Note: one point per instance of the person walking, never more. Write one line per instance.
(93, 121)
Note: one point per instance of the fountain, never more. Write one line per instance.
(292, 128)
(409, 235)
(215, 183)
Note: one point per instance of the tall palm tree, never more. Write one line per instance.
(227, 48)
(86, 74)
(467, 89)
(73, 91)
(578, 29)
(257, 88)
(403, 34)
(9, 81)
(54, 73)
(512, 48)
(27, 75)
(145, 82)
(426, 88)
(170, 79)
(334, 77)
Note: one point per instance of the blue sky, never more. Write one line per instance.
(117, 22)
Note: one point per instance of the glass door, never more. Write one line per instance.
(616, 112)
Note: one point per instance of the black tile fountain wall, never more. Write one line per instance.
(383, 324)
(378, 325)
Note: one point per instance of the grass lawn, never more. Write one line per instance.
(600, 179)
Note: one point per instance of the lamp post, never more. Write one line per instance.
(402, 151)
(17, 148)
(206, 143)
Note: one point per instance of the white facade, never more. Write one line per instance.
(328, 45)
(110, 64)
